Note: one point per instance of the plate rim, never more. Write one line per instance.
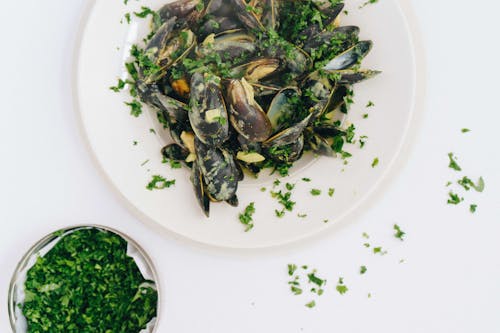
(351, 215)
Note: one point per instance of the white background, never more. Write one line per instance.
(449, 282)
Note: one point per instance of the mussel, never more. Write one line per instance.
(247, 116)
(350, 57)
(219, 171)
(207, 114)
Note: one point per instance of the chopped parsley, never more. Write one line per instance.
(291, 269)
(331, 191)
(315, 192)
(119, 86)
(375, 162)
(341, 287)
(246, 218)
(399, 234)
(311, 304)
(472, 208)
(362, 270)
(453, 163)
(135, 107)
(158, 183)
(379, 250)
(454, 199)
(465, 130)
(146, 11)
(370, 104)
(88, 270)
(368, 2)
(307, 180)
(467, 184)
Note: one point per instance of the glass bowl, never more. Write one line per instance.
(16, 287)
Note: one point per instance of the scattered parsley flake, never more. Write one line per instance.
(280, 213)
(453, 163)
(362, 270)
(399, 233)
(370, 104)
(135, 107)
(465, 130)
(291, 269)
(379, 250)
(263, 189)
(311, 304)
(315, 279)
(368, 2)
(144, 163)
(365, 116)
(158, 182)
(151, 130)
(375, 162)
(341, 287)
(473, 208)
(365, 235)
(315, 192)
(307, 180)
(246, 218)
(331, 191)
(119, 86)
(302, 216)
(454, 199)
(134, 143)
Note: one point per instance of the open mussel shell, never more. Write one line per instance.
(256, 70)
(246, 115)
(343, 37)
(288, 135)
(229, 45)
(283, 107)
(173, 110)
(321, 146)
(159, 38)
(177, 47)
(219, 171)
(208, 115)
(287, 153)
(218, 24)
(200, 189)
(246, 16)
(330, 11)
(180, 9)
(351, 57)
(175, 152)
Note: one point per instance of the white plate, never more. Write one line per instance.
(111, 131)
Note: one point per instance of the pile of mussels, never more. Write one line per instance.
(240, 90)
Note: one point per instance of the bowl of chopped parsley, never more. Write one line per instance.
(84, 279)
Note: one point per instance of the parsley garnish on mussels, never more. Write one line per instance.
(226, 87)
(88, 283)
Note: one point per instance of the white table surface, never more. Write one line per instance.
(449, 282)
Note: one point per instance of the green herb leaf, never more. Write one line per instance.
(158, 183)
(399, 233)
(453, 163)
(246, 218)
